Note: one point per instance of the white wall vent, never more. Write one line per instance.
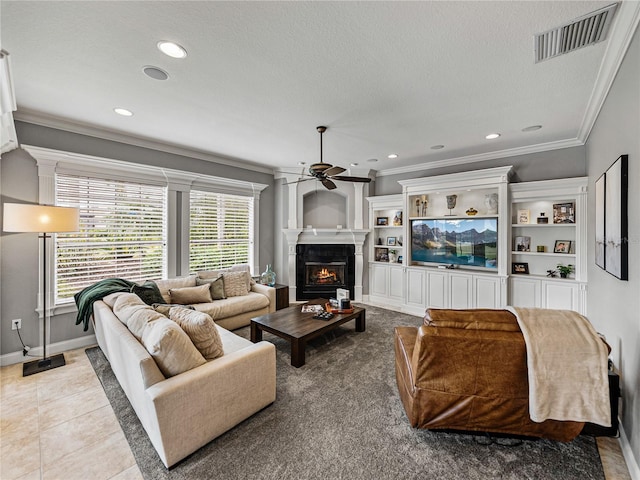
(581, 32)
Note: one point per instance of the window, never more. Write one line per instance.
(221, 232)
(122, 233)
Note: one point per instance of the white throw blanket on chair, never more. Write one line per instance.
(567, 366)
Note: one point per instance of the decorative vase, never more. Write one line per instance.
(491, 202)
(393, 258)
(268, 277)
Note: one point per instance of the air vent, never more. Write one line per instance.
(581, 32)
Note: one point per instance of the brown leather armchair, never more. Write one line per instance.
(466, 370)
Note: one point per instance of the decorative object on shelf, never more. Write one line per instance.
(564, 212)
(562, 246)
(522, 244)
(451, 203)
(565, 270)
(400, 241)
(397, 219)
(424, 203)
(491, 202)
(612, 237)
(541, 248)
(379, 241)
(523, 216)
(399, 258)
(268, 277)
(391, 241)
(471, 211)
(393, 256)
(542, 219)
(552, 273)
(520, 268)
(382, 221)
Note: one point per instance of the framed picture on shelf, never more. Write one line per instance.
(520, 268)
(381, 255)
(522, 244)
(397, 219)
(564, 212)
(382, 221)
(391, 241)
(523, 216)
(562, 246)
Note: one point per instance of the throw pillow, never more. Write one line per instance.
(164, 308)
(186, 295)
(244, 267)
(170, 347)
(236, 284)
(216, 286)
(148, 292)
(201, 330)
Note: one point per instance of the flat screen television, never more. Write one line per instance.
(465, 242)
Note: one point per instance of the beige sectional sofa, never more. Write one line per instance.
(183, 410)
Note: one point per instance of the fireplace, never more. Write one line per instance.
(321, 269)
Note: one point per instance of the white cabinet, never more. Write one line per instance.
(396, 283)
(488, 292)
(416, 297)
(461, 290)
(541, 293)
(386, 284)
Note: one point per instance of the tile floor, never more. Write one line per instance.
(59, 425)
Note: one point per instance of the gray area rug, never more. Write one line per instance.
(340, 416)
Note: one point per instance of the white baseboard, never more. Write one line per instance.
(627, 452)
(17, 357)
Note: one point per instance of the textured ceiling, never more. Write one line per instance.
(386, 77)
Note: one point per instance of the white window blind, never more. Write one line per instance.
(122, 233)
(221, 232)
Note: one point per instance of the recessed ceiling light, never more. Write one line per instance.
(393, 155)
(354, 164)
(532, 128)
(491, 136)
(123, 111)
(155, 72)
(372, 160)
(437, 147)
(172, 49)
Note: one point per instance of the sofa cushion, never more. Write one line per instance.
(216, 286)
(134, 313)
(164, 308)
(180, 282)
(232, 342)
(188, 295)
(236, 284)
(472, 319)
(201, 330)
(148, 292)
(170, 347)
(221, 309)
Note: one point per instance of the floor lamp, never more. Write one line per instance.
(44, 220)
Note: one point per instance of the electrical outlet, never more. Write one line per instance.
(16, 324)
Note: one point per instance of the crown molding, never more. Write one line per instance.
(626, 23)
(482, 157)
(51, 121)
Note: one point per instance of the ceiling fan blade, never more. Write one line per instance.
(346, 178)
(328, 184)
(334, 171)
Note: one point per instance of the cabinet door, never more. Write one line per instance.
(415, 287)
(487, 292)
(379, 279)
(437, 290)
(525, 292)
(396, 283)
(563, 296)
(461, 291)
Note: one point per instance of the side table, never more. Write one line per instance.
(282, 296)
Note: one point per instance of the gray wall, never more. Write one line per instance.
(19, 252)
(613, 305)
(563, 163)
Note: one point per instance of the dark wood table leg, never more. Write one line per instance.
(256, 333)
(297, 352)
(360, 322)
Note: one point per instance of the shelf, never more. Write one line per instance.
(392, 247)
(542, 225)
(446, 217)
(388, 226)
(544, 254)
(543, 277)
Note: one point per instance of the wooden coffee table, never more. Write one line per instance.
(297, 327)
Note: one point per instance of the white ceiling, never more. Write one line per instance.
(385, 77)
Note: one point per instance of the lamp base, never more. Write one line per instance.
(43, 364)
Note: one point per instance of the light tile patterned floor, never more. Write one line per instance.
(59, 425)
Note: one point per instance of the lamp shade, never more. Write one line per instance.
(20, 217)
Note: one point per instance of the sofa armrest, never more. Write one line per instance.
(268, 292)
(195, 407)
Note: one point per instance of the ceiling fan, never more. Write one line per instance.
(326, 173)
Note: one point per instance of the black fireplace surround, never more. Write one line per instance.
(321, 269)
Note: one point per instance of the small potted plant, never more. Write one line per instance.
(565, 270)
